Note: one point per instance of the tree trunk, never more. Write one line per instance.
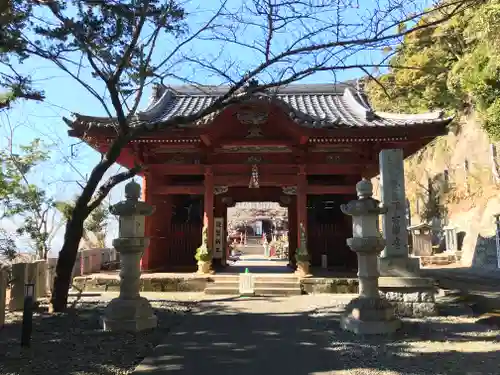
(74, 227)
(66, 260)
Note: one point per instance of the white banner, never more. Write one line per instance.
(218, 237)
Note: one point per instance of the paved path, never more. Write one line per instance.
(482, 286)
(254, 336)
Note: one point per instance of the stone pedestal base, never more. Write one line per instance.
(412, 297)
(401, 266)
(303, 269)
(204, 268)
(130, 315)
(369, 316)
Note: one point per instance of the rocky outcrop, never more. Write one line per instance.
(462, 174)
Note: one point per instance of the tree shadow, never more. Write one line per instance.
(75, 343)
(227, 336)
(231, 339)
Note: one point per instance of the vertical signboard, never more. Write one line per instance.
(218, 237)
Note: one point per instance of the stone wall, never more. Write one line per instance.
(148, 283)
(412, 303)
(411, 297)
(90, 260)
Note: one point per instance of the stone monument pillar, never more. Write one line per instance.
(20, 276)
(395, 259)
(129, 311)
(368, 313)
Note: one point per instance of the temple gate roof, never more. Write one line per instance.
(323, 106)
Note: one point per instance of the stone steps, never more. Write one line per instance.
(281, 291)
(263, 285)
(276, 284)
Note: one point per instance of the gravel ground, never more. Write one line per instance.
(437, 345)
(75, 344)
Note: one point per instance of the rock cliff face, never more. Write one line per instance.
(452, 182)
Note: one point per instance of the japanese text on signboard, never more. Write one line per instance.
(218, 236)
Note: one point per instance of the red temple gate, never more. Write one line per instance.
(303, 142)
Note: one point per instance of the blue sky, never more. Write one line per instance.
(73, 160)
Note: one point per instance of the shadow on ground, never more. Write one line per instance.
(74, 343)
(227, 338)
(246, 336)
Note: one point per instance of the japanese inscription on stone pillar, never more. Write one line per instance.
(392, 187)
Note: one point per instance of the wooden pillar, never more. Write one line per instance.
(301, 201)
(163, 231)
(147, 196)
(292, 230)
(208, 203)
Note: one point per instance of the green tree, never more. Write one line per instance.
(456, 67)
(25, 201)
(15, 18)
(118, 42)
(8, 248)
(96, 225)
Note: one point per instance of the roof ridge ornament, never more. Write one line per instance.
(360, 88)
(157, 91)
(252, 85)
(356, 106)
(160, 99)
(251, 88)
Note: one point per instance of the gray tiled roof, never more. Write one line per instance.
(311, 105)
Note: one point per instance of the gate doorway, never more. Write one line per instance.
(258, 235)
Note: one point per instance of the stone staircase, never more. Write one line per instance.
(264, 285)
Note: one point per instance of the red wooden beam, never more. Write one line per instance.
(327, 169)
(247, 168)
(206, 140)
(243, 158)
(255, 142)
(177, 169)
(264, 180)
(163, 148)
(410, 132)
(244, 169)
(199, 189)
(330, 189)
(180, 189)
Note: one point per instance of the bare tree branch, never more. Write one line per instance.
(105, 188)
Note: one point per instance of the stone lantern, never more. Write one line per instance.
(129, 311)
(368, 313)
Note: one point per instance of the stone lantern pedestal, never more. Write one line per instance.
(368, 313)
(129, 311)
